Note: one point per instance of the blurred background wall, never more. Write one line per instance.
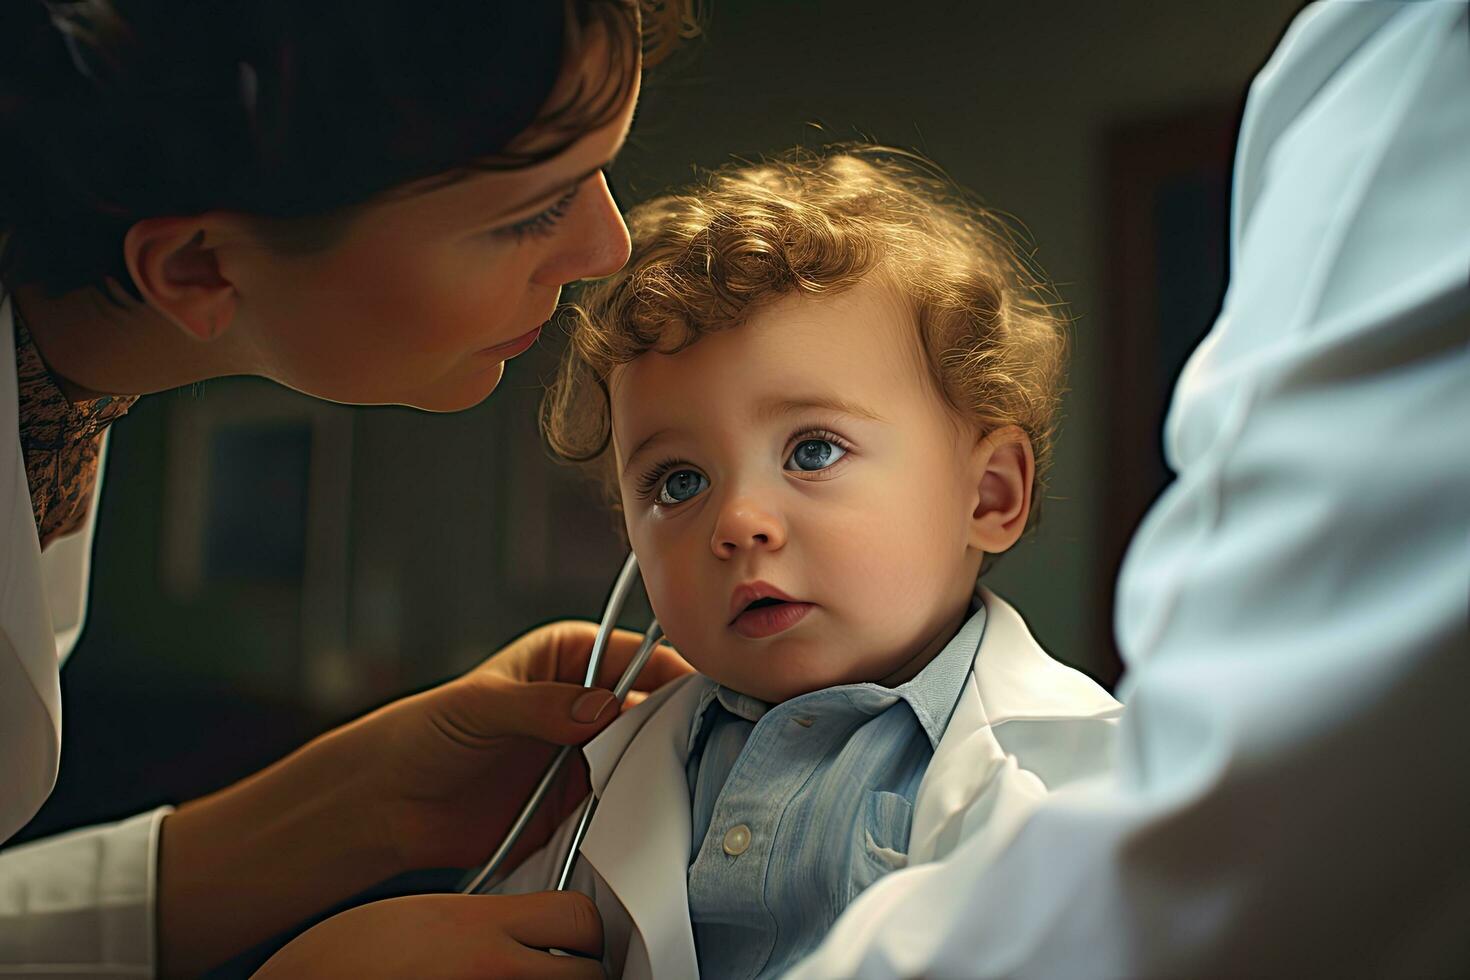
(267, 566)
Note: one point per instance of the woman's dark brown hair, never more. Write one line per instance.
(295, 111)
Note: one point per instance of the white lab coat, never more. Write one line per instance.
(1023, 724)
(81, 904)
(1292, 794)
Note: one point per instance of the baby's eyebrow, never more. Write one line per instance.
(774, 408)
(771, 408)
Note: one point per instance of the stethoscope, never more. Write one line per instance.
(622, 589)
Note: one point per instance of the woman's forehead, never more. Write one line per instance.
(485, 196)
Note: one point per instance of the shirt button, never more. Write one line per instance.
(737, 840)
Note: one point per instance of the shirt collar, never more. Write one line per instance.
(932, 693)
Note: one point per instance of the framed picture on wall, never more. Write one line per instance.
(257, 505)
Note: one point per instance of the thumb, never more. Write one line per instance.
(563, 714)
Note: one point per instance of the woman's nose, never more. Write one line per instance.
(745, 525)
(594, 241)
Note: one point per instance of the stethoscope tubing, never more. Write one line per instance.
(622, 589)
(625, 684)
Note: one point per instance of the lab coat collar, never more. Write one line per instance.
(639, 840)
(30, 691)
(1013, 679)
(647, 870)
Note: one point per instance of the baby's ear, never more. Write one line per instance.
(1003, 470)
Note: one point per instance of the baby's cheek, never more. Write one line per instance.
(857, 555)
(677, 609)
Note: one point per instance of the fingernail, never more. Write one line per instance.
(591, 706)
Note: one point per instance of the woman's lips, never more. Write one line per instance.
(513, 347)
(762, 621)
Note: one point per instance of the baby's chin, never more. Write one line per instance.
(773, 687)
(784, 667)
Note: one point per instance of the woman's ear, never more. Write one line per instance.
(1004, 470)
(176, 269)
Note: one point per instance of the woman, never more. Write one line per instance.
(370, 202)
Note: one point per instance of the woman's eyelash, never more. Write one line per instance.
(542, 222)
(648, 483)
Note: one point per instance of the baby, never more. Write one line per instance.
(821, 392)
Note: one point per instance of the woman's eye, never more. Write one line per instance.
(680, 486)
(814, 454)
(541, 224)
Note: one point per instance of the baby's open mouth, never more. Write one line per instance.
(768, 616)
(759, 604)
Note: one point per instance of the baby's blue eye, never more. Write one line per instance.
(680, 486)
(672, 481)
(815, 454)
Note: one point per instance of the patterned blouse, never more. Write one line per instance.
(61, 440)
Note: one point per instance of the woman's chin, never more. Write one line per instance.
(460, 393)
(452, 393)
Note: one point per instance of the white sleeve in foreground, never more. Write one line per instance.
(82, 904)
(1292, 796)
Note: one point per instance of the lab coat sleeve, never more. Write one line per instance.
(82, 904)
(1290, 795)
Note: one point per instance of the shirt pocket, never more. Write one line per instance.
(881, 843)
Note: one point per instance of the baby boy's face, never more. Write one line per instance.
(801, 454)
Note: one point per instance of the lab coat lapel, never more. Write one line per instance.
(639, 839)
(30, 694)
(975, 784)
(978, 785)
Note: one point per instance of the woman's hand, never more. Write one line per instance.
(433, 780)
(449, 937)
(454, 765)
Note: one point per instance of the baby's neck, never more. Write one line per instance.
(900, 674)
(910, 668)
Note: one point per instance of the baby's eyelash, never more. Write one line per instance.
(827, 435)
(542, 222)
(648, 482)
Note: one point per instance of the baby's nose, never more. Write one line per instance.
(744, 525)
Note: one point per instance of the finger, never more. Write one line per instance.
(555, 652)
(622, 646)
(558, 965)
(554, 920)
(486, 706)
(633, 700)
(491, 702)
(559, 651)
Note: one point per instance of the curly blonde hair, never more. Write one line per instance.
(992, 326)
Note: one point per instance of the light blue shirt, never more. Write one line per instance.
(800, 806)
